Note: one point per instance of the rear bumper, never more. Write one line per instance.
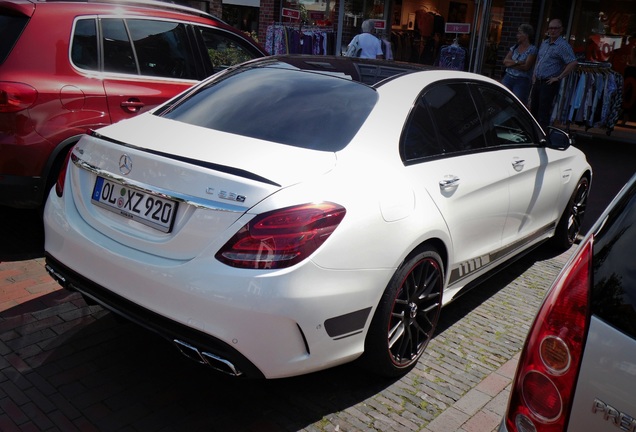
(197, 345)
(271, 323)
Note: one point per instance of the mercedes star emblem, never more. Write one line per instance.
(125, 164)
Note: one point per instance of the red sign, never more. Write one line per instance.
(291, 13)
(379, 24)
(457, 28)
(313, 15)
(601, 47)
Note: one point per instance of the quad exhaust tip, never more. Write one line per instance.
(206, 358)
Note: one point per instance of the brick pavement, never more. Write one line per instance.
(67, 366)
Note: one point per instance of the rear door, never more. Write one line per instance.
(145, 62)
(446, 156)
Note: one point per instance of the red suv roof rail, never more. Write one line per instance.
(149, 3)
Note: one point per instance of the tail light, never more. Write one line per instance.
(61, 178)
(281, 238)
(546, 376)
(15, 97)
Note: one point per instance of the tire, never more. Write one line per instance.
(407, 315)
(569, 225)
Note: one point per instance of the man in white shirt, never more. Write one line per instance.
(368, 45)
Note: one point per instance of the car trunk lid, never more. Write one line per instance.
(173, 190)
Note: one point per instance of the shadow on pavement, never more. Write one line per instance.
(105, 373)
(21, 234)
(111, 375)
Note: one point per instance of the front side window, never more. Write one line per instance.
(225, 49)
(453, 111)
(505, 122)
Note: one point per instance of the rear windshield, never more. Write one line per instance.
(12, 27)
(280, 104)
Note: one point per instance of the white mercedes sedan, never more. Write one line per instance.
(294, 213)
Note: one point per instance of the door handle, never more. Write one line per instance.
(449, 182)
(518, 164)
(132, 105)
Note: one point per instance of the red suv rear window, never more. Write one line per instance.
(12, 26)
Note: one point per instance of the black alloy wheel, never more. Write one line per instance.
(569, 226)
(407, 315)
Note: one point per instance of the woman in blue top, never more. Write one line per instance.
(519, 63)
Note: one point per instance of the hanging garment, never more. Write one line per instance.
(452, 57)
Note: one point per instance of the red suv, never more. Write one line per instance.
(66, 67)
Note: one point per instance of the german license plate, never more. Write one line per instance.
(155, 211)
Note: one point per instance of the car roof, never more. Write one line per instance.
(153, 4)
(27, 7)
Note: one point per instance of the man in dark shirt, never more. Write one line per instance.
(555, 61)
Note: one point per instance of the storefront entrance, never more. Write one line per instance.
(434, 32)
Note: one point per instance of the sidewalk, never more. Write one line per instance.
(483, 407)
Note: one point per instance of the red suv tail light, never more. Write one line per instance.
(546, 376)
(16, 97)
(281, 238)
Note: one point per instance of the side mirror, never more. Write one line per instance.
(558, 139)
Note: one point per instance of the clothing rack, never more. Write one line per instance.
(590, 96)
(299, 38)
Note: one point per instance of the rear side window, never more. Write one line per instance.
(162, 48)
(225, 49)
(118, 52)
(84, 52)
(420, 139)
(301, 109)
(453, 111)
(12, 27)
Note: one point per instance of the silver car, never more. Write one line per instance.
(577, 371)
